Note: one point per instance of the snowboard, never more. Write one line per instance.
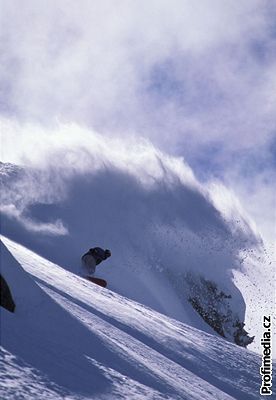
(97, 281)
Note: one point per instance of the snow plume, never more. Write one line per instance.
(81, 189)
(54, 158)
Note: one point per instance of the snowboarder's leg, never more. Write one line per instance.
(88, 265)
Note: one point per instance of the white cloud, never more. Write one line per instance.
(95, 63)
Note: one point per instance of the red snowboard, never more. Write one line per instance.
(98, 281)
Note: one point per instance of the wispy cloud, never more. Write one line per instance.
(169, 70)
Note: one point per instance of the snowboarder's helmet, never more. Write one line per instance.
(107, 253)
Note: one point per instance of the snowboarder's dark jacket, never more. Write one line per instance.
(99, 254)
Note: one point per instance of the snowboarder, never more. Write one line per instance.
(90, 260)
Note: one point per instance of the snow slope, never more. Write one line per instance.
(71, 339)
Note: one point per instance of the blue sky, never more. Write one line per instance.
(197, 79)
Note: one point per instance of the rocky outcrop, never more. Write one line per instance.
(6, 296)
(212, 304)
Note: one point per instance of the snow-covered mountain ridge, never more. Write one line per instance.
(70, 339)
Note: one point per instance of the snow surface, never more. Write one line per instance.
(70, 339)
